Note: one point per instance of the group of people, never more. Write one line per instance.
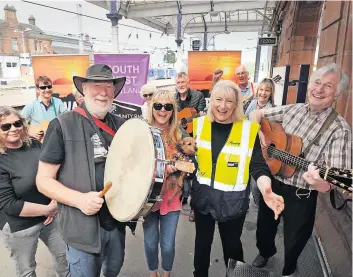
(50, 191)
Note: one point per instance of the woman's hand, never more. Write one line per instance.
(170, 169)
(49, 220)
(274, 201)
(262, 138)
(52, 209)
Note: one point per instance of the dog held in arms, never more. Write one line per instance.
(184, 151)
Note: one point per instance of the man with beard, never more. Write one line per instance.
(44, 108)
(71, 171)
(331, 148)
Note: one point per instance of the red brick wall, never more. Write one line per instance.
(336, 46)
(335, 227)
(298, 39)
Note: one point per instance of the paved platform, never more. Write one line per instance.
(135, 263)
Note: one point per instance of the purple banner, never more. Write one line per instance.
(135, 68)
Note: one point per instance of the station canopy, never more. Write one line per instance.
(214, 17)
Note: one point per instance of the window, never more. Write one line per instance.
(11, 64)
(14, 44)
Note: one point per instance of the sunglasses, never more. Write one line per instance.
(46, 87)
(7, 126)
(147, 95)
(159, 106)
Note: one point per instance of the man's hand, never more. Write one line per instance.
(312, 177)
(52, 209)
(90, 203)
(217, 74)
(274, 201)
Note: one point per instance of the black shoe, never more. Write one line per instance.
(260, 261)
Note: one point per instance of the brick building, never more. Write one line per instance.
(16, 38)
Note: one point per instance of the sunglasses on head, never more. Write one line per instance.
(148, 95)
(7, 126)
(159, 106)
(46, 87)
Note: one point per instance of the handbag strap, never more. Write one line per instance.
(323, 128)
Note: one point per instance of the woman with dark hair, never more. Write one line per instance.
(28, 214)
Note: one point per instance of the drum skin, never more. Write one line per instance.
(130, 166)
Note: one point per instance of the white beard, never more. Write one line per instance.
(95, 110)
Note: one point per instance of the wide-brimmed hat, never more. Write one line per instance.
(100, 72)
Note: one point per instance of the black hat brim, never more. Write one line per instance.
(118, 83)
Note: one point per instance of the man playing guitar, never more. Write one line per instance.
(332, 148)
(191, 103)
(188, 98)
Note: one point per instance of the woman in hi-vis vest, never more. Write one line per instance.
(228, 153)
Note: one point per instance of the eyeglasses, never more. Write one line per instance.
(46, 87)
(159, 106)
(7, 126)
(147, 95)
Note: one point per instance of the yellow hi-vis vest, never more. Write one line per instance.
(232, 167)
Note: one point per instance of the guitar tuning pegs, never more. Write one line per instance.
(342, 185)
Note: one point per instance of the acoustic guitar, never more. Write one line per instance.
(282, 157)
(185, 118)
(41, 128)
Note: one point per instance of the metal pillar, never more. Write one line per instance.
(179, 41)
(114, 18)
(204, 34)
(258, 48)
(80, 33)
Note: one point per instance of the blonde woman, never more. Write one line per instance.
(29, 215)
(228, 152)
(263, 98)
(146, 93)
(160, 225)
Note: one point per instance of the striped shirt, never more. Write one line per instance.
(333, 149)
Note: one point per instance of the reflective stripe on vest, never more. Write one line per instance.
(232, 168)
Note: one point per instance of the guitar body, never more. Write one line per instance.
(276, 136)
(42, 127)
(185, 117)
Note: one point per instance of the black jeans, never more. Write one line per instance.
(298, 223)
(230, 232)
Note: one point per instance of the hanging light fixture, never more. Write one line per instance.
(213, 13)
(226, 31)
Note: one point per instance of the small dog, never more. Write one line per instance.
(184, 151)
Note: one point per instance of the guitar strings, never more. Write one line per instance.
(287, 157)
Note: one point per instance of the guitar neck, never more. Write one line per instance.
(288, 158)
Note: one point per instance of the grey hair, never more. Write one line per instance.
(6, 111)
(181, 74)
(332, 68)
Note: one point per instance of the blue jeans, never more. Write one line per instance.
(111, 257)
(167, 230)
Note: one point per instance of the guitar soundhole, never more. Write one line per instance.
(183, 122)
(269, 150)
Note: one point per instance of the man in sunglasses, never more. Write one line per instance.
(44, 108)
